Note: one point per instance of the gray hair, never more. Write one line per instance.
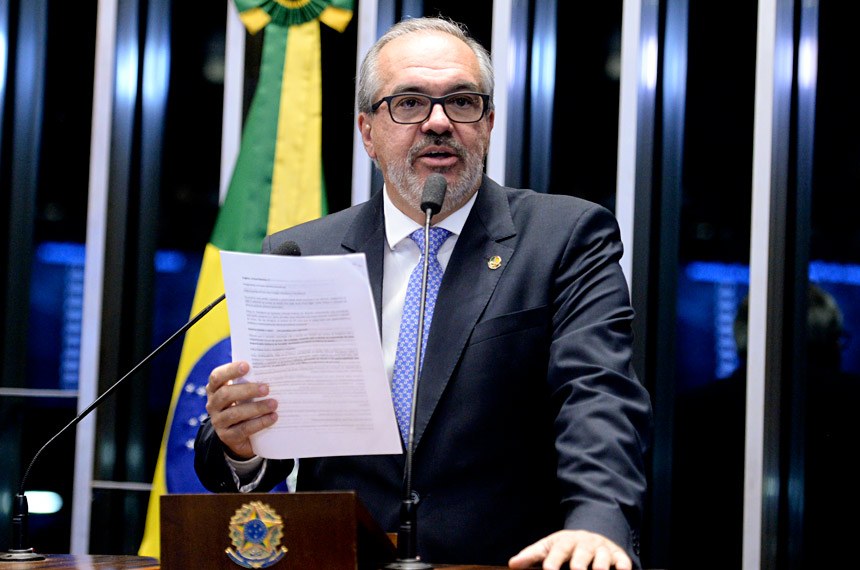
(368, 75)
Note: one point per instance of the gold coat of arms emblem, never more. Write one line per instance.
(256, 531)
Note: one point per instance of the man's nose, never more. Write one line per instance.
(438, 121)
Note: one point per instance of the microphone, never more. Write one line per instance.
(432, 197)
(407, 559)
(287, 248)
(20, 510)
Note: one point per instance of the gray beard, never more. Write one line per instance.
(409, 186)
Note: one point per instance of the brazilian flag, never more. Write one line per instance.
(277, 183)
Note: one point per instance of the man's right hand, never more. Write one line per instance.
(232, 410)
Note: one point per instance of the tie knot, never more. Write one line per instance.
(437, 238)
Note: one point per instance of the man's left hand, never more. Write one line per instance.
(583, 549)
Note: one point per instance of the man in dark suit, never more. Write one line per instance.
(530, 425)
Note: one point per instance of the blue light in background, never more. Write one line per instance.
(58, 289)
(708, 299)
(819, 272)
(56, 253)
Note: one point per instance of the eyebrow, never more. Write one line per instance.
(412, 88)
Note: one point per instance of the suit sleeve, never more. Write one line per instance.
(603, 421)
(214, 472)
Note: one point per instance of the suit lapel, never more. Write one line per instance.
(367, 235)
(466, 288)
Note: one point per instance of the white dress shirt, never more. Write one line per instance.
(400, 258)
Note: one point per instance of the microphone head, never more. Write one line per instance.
(287, 248)
(434, 193)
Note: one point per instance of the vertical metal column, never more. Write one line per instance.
(768, 257)
(542, 95)
(100, 146)
(636, 203)
(504, 49)
(362, 167)
(234, 81)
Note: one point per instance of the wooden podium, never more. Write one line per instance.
(325, 530)
(303, 531)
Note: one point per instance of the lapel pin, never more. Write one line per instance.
(494, 262)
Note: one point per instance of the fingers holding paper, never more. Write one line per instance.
(233, 412)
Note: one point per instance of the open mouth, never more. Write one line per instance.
(437, 156)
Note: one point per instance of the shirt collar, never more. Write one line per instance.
(398, 225)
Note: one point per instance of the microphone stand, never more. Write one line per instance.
(21, 553)
(407, 557)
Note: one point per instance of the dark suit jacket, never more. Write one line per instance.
(529, 417)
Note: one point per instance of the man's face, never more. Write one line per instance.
(434, 64)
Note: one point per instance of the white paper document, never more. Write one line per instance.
(307, 326)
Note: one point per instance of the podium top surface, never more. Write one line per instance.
(111, 562)
(85, 562)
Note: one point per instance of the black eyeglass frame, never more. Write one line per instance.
(433, 102)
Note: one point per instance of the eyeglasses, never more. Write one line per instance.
(412, 108)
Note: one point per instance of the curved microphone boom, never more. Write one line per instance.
(20, 512)
(432, 197)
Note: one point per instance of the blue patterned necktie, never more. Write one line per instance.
(404, 363)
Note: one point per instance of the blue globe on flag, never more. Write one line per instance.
(189, 413)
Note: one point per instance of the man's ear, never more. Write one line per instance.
(365, 128)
